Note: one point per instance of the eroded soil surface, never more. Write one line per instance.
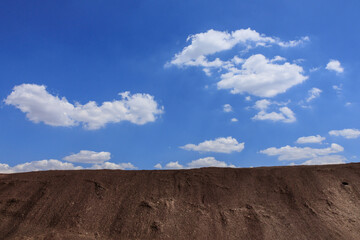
(299, 202)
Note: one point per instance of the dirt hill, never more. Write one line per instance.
(300, 202)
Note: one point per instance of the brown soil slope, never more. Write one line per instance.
(302, 202)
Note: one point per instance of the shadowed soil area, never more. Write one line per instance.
(298, 202)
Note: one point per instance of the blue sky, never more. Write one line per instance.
(178, 84)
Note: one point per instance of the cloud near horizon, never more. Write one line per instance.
(98, 160)
(208, 162)
(54, 164)
(218, 145)
(173, 165)
(289, 153)
(111, 165)
(41, 106)
(332, 159)
(85, 156)
(199, 163)
(42, 165)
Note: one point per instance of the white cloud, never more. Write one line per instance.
(334, 65)
(310, 139)
(174, 165)
(110, 165)
(234, 120)
(203, 62)
(285, 114)
(227, 108)
(212, 41)
(207, 71)
(346, 133)
(199, 163)
(289, 153)
(158, 166)
(299, 60)
(262, 104)
(85, 156)
(42, 165)
(294, 43)
(332, 159)
(220, 145)
(53, 164)
(257, 75)
(313, 93)
(236, 60)
(314, 69)
(41, 106)
(338, 88)
(288, 114)
(278, 59)
(207, 162)
(5, 168)
(248, 98)
(260, 77)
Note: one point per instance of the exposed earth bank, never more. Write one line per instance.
(299, 202)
